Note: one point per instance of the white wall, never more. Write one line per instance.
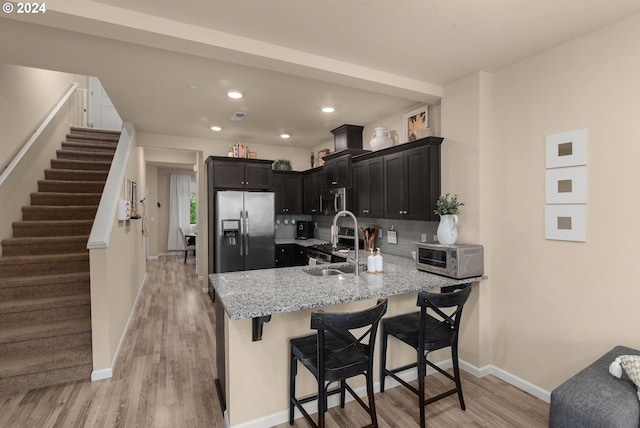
(557, 305)
(27, 96)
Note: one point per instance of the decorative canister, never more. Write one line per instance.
(381, 139)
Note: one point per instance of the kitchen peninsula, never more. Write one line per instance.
(252, 375)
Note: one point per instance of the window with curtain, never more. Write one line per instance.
(179, 210)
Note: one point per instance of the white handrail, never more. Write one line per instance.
(5, 174)
(103, 224)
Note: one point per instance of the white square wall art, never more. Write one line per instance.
(566, 185)
(566, 149)
(565, 222)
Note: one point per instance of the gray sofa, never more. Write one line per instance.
(594, 398)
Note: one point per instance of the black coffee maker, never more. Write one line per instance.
(304, 229)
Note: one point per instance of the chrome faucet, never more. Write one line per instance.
(356, 243)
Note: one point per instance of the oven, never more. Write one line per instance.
(325, 253)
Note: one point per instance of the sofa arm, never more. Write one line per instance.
(593, 398)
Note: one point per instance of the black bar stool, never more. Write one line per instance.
(335, 354)
(425, 332)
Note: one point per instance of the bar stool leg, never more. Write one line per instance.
(372, 401)
(293, 370)
(383, 359)
(422, 368)
(456, 374)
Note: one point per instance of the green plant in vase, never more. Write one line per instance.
(448, 208)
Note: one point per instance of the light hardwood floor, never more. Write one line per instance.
(165, 378)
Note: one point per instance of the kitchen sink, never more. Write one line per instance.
(323, 272)
(328, 271)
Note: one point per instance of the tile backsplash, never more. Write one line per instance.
(408, 232)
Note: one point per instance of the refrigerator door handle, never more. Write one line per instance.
(241, 234)
(246, 231)
(335, 203)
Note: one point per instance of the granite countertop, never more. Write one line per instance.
(303, 242)
(256, 293)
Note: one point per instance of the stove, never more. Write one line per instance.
(323, 253)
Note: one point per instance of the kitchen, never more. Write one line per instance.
(245, 301)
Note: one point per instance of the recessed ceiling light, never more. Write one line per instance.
(285, 136)
(328, 109)
(234, 94)
(216, 128)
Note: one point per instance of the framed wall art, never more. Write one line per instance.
(416, 124)
(565, 222)
(566, 185)
(566, 149)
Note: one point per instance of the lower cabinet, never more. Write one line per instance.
(301, 255)
(288, 255)
(285, 255)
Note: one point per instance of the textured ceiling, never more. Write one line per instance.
(369, 58)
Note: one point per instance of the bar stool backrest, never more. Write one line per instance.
(440, 328)
(346, 350)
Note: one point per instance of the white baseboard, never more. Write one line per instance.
(152, 257)
(108, 372)
(407, 376)
(101, 374)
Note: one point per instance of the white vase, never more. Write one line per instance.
(381, 139)
(447, 230)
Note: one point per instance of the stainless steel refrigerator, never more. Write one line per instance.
(245, 231)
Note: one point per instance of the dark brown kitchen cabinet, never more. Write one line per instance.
(368, 180)
(337, 172)
(287, 186)
(411, 183)
(312, 186)
(285, 255)
(301, 255)
(245, 174)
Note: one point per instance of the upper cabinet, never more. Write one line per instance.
(368, 184)
(313, 183)
(337, 165)
(337, 172)
(412, 182)
(244, 174)
(287, 186)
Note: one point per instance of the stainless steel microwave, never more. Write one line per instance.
(333, 201)
(454, 261)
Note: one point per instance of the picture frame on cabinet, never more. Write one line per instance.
(415, 124)
(321, 154)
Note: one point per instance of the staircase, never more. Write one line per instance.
(45, 302)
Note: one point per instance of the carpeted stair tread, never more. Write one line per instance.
(40, 286)
(75, 175)
(33, 228)
(43, 264)
(82, 155)
(87, 165)
(58, 212)
(67, 186)
(28, 305)
(90, 146)
(62, 358)
(58, 198)
(99, 134)
(39, 245)
(43, 280)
